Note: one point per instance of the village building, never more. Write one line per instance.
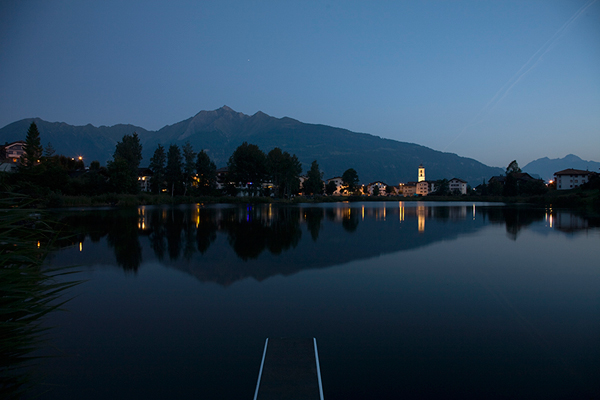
(10, 155)
(408, 189)
(144, 178)
(381, 187)
(422, 188)
(456, 184)
(222, 177)
(570, 178)
(338, 184)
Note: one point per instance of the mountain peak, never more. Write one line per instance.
(225, 108)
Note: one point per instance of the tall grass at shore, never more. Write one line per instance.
(28, 292)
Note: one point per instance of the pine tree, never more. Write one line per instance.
(314, 182)
(33, 147)
(49, 151)
(157, 165)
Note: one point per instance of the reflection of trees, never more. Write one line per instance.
(350, 220)
(157, 232)
(247, 237)
(119, 226)
(515, 218)
(123, 237)
(206, 231)
(330, 213)
(173, 229)
(284, 231)
(250, 232)
(313, 217)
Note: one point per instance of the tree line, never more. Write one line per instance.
(177, 171)
(180, 171)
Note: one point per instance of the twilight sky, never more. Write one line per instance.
(491, 80)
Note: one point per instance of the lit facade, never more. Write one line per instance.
(458, 185)
(570, 178)
(421, 173)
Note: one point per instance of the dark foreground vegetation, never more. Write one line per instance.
(28, 292)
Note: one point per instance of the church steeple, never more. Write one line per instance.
(421, 173)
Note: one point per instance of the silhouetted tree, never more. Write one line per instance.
(157, 165)
(189, 165)
(442, 187)
(513, 167)
(123, 170)
(32, 148)
(284, 170)
(314, 182)
(207, 173)
(121, 179)
(49, 151)
(330, 188)
(130, 150)
(173, 173)
(350, 179)
(248, 165)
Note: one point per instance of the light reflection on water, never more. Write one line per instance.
(406, 300)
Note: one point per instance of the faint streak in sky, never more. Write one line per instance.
(533, 61)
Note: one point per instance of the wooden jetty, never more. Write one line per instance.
(289, 370)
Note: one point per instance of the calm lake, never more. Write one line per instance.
(406, 300)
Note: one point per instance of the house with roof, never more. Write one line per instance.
(12, 152)
(381, 187)
(456, 184)
(144, 178)
(10, 155)
(339, 183)
(222, 177)
(571, 178)
(408, 189)
(422, 188)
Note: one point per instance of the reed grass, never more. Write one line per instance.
(28, 291)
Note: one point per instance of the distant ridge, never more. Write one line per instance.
(219, 132)
(546, 167)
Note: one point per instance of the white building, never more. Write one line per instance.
(12, 152)
(422, 187)
(570, 178)
(458, 185)
(382, 188)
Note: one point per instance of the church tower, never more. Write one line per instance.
(421, 173)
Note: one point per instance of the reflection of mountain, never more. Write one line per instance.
(224, 244)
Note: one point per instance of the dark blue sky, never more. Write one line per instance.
(491, 80)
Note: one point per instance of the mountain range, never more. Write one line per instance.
(546, 167)
(219, 132)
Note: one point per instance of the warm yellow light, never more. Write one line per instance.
(80, 246)
(80, 158)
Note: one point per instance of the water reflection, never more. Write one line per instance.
(268, 236)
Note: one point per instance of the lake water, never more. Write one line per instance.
(406, 300)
